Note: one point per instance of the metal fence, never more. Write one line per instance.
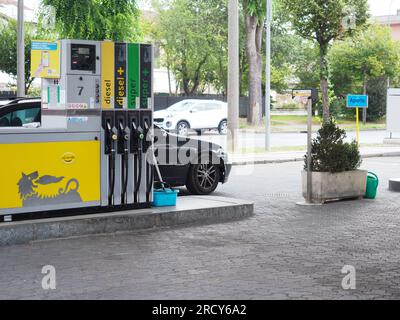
(7, 94)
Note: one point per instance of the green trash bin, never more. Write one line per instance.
(372, 186)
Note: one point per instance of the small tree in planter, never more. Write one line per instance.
(334, 166)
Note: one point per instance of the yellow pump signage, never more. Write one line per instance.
(107, 70)
(49, 174)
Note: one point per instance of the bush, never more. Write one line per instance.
(377, 91)
(331, 154)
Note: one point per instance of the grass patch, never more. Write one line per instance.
(275, 149)
(296, 148)
(284, 123)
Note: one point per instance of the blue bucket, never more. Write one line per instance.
(165, 197)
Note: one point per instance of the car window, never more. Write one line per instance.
(207, 107)
(200, 107)
(181, 106)
(5, 120)
(20, 117)
(214, 106)
(26, 116)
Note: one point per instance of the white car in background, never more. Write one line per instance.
(197, 115)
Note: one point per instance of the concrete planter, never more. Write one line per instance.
(336, 186)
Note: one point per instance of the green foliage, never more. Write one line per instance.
(371, 54)
(34, 92)
(377, 92)
(306, 67)
(115, 20)
(193, 36)
(255, 8)
(288, 51)
(324, 21)
(8, 49)
(370, 59)
(331, 154)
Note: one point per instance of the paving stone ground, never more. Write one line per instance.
(284, 252)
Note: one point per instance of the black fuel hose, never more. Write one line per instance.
(111, 177)
(111, 166)
(150, 182)
(139, 179)
(125, 172)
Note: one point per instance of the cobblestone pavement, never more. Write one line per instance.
(285, 251)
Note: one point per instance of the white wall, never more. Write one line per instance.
(393, 110)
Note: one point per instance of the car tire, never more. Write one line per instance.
(182, 128)
(203, 179)
(223, 127)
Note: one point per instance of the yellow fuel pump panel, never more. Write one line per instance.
(49, 174)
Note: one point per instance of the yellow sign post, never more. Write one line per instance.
(358, 125)
(357, 102)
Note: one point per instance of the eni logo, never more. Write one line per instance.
(68, 158)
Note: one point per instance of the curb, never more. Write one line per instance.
(297, 159)
(207, 210)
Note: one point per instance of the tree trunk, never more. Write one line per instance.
(364, 113)
(324, 82)
(192, 83)
(254, 58)
(242, 70)
(169, 80)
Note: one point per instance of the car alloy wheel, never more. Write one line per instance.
(183, 129)
(206, 176)
(223, 127)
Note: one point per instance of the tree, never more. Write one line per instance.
(192, 34)
(324, 21)
(254, 11)
(115, 20)
(366, 63)
(8, 49)
(290, 53)
(306, 68)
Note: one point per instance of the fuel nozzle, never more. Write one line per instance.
(137, 137)
(111, 137)
(123, 138)
(146, 142)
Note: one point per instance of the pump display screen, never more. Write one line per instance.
(83, 57)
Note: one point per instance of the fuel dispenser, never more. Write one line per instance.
(93, 151)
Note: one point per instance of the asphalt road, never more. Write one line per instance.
(283, 252)
(281, 140)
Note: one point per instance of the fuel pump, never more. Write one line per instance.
(95, 132)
